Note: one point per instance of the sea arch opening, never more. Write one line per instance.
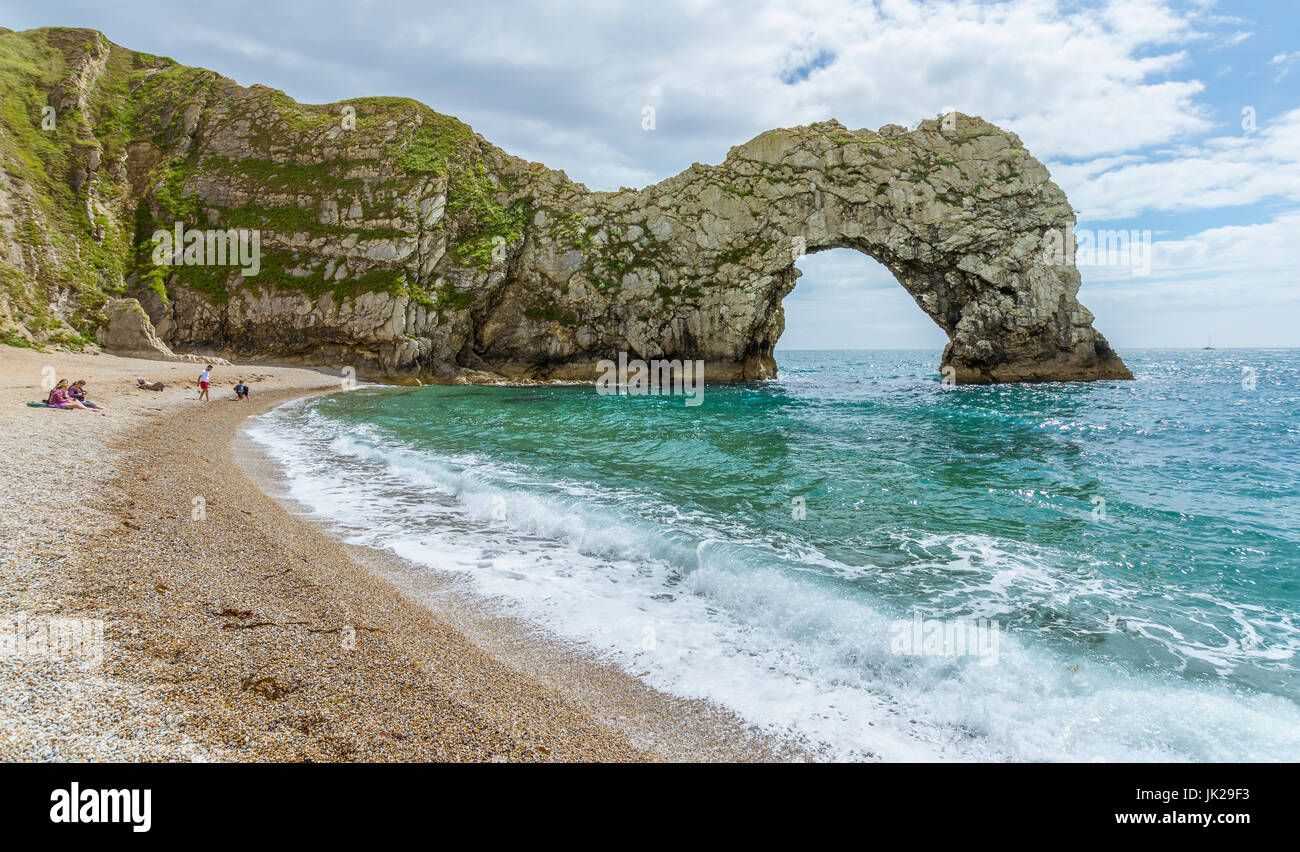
(846, 299)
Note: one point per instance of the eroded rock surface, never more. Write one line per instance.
(397, 241)
(129, 332)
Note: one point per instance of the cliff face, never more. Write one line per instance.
(395, 240)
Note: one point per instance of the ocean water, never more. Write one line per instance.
(1122, 556)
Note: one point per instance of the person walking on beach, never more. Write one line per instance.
(205, 379)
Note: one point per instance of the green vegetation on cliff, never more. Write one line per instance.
(100, 146)
(53, 210)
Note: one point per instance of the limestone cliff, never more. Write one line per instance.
(397, 241)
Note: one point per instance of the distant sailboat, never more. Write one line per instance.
(1209, 342)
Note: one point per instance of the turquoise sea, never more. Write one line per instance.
(1128, 550)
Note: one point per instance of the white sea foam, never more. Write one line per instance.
(699, 612)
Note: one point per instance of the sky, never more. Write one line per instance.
(1177, 117)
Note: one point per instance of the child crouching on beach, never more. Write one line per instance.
(241, 391)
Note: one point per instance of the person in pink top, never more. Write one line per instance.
(59, 398)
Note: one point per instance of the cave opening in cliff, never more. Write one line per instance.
(846, 299)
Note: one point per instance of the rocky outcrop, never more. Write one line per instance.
(396, 241)
(129, 332)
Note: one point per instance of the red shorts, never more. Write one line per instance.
(203, 385)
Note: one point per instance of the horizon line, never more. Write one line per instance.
(928, 349)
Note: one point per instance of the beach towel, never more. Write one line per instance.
(46, 405)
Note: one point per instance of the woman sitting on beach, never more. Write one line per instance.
(78, 392)
(59, 398)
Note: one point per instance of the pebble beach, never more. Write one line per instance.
(236, 630)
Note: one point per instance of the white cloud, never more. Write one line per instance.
(1224, 171)
(1239, 284)
(1282, 64)
(1233, 40)
(1078, 83)
(1262, 252)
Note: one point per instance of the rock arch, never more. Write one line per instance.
(697, 266)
